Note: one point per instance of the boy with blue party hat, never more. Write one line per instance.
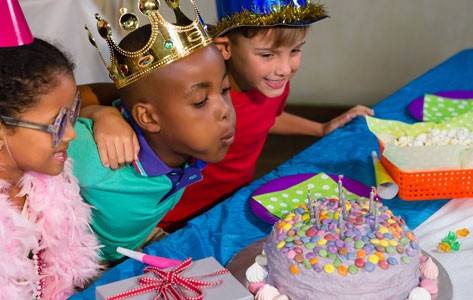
(261, 42)
(174, 94)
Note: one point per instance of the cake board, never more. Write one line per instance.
(246, 257)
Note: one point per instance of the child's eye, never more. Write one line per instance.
(266, 55)
(225, 91)
(201, 103)
(297, 50)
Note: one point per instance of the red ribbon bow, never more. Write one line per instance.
(171, 284)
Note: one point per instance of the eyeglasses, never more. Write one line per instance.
(58, 128)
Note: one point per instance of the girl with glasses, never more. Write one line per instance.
(46, 245)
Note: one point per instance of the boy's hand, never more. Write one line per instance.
(346, 117)
(116, 140)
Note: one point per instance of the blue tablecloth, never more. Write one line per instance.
(229, 227)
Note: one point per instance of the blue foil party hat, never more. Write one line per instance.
(255, 13)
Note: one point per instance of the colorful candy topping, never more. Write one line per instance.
(345, 243)
(450, 242)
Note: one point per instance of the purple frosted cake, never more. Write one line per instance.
(358, 250)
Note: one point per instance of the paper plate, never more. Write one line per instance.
(416, 107)
(285, 182)
(246, 257)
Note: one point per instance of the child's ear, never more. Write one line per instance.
(223, 44)
(145, 117)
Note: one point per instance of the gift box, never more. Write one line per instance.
(205, 270)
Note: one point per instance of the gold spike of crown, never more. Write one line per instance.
(168, 42)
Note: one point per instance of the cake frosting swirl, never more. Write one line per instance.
(354, 250)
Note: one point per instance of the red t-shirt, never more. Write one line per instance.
(255, 115)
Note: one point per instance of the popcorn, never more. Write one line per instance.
(438, 137)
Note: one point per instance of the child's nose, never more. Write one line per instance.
(70, 133)
(226, 108)
(283, 67)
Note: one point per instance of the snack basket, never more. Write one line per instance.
(430, 185)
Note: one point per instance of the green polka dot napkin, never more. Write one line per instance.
(281, 202)
(438, 109)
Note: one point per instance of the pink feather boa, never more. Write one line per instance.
(60, 219)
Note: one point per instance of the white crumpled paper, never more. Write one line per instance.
(423, 158)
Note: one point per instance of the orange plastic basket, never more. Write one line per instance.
(430, 185)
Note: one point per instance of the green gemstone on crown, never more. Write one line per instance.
(168, 44)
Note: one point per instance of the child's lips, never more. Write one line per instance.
(229, 138)
(60, 155)
(276, 84)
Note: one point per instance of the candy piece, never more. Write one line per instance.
(463, 232)
(352, 269)
(342, 270)
(374, 259)
(294, 269)
(383, 264)
(406, 260)
(452, 236)
(314, 260)
(329, 268)
(369, 267)
(444, 247)
(455, 246)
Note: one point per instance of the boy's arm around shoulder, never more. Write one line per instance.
(116, 140)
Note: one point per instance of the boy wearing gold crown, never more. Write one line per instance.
(261, 43)
(174, 93)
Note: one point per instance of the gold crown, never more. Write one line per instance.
(168, 42)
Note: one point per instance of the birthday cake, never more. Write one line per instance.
(354, 249)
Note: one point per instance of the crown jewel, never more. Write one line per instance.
(168, 42)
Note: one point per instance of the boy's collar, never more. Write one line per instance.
(241, 13)
(149, 164)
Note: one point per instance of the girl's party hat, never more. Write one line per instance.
(14, 30)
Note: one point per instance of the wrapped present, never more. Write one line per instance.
(202, 279)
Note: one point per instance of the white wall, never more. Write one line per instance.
(368, 49)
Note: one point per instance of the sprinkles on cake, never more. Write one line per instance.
(363, 240)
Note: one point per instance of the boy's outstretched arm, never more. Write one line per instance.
(115, 138)
(290, 124)
(346, 117)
